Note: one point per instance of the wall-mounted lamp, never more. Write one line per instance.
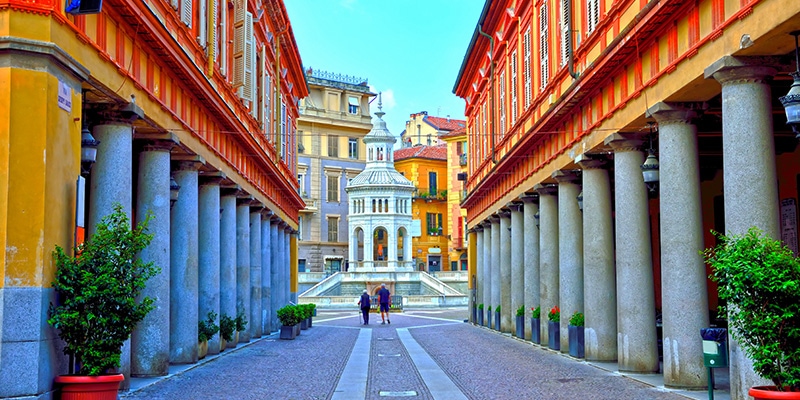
(536, 218)
(174, 189)
(580, 200)
(791, 102)
(650, 166)
(88, 150)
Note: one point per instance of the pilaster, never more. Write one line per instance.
(208, 239)
(570, 250)
(548, 251)
(530, 255)
(243, 261)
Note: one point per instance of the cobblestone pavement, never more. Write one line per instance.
(481, 363)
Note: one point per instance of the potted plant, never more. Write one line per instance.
(313, 309)
(305, 314)
(489, 317)
(553, 330)
(535, 324)
(480, 314)
(227, 326)
(759, 279)
(497, 318)
(520, 322)
(575, 331)
(288, 317)
(206, 329)
(98, 292)
(241, 322)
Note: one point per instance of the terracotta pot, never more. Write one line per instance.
(202, 349)
(103, 387)
(769, 392)
(222, 344)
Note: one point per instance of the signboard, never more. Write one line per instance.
(789, 224)
(64, 96)
(416, 228)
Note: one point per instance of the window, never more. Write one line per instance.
(333, 229)
(301, 182)
(432, 187)
(300, 228)
(333, 146)
(352, 148)
(459, 148)
(566, 35)
(300, 147)
(501, 87)
(526, 66)
(433, 221)
(333, 188)
(301, 265)
(592, 15)
(513, 86)
(544, 61)
(352, 105)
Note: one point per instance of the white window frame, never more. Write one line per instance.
(544, 60)
(526, 66)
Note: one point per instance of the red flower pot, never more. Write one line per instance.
(103, 387)
(770, 392)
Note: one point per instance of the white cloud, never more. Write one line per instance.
(387, 96)
(349, 4)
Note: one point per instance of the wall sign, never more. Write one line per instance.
(789, 223)
(64, 96)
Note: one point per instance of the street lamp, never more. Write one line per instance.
(791, 102)
(650, 166)
(580, 200)
(174, 189)
(536, 218)
(88, 150)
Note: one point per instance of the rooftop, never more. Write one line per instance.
(438, 152)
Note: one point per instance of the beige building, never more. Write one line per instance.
(424, 129)
(333, 121)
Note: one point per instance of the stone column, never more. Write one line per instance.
(570, 250)
(290, 264)
(255, 271)
(150, 339)
(683, 273)
(275, 292)
(243, 261)
(487, 270)
(183, 266)
(517, 280)
(506, 321)
(209, 251)
(480, 267)
(749, 171)
(227, 256)
(266, 274)
(637, 349)
(548, 252)
(599, 279)
(497, 275)
(112, 182)
(530, 256)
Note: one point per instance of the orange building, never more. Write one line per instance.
(426, 167)
(456, 142)
(193, 103)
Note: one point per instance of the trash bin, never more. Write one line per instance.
(715, 347)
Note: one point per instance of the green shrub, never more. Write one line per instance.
(241, 320)
(288, 315)
(480, 306)
(97, 292)
(207, 328)
(226, 327)
(497, 309)
(521, 311)
(554, 315)
(576, 319)
(536, 312)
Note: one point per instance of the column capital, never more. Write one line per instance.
(674, 113)
(623, 142)
(267, 213)
(230, 190)
(587, 161)
(244, 199)
(212, 178)
(125, 114)
(529, 197)
(515, 206)
(566, 176)
(730, 69)
(274, 219)
(156, 141)
(256, 206)
(505, 213)
(184, 162)
(546, 189)
(477, 228)
(494, 218)
(486, 224)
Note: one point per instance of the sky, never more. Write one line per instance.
(410, 50)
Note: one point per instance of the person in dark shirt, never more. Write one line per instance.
(385, 300)
(364, 303)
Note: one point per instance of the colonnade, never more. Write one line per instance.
(599, 259)
(219, 249)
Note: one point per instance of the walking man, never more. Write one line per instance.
(385, 299)
(364, 303)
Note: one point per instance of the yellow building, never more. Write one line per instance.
(426, 167)
(423, 129)
(456, 143)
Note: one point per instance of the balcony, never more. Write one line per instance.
(422, 193)
(462, 159)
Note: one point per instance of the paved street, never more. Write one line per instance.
(422, 354)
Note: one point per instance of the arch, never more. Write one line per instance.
(403, 240)
(380, 239)
(357, 239)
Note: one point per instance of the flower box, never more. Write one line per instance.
(520, 326)
(497, 320)
(536, 330)
(553, 335)
(287, 332)
(576, 343)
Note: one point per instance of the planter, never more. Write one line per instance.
(480, 318)
(474, 313)
(769, 392)
(222, 344)
(296, 328)
(521, 326)
(553, 335)
(304, 324)
(576, 348)
(235, 340)
(202, 349)
(536, 330)
(103, 387)
(310, 322)
(497, 320)
(287, 332)
(489, 319)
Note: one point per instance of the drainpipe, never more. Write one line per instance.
(568, 39)
(491, 89)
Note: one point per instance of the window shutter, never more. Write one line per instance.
(526, 66)
(222, 43)
(248, 87)
(513, 86)
(543, 56)
(565, 33)
(174, 4)
(211, 50)
(202, 27)
(186, 12)
(264, 88)
(238, 44)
